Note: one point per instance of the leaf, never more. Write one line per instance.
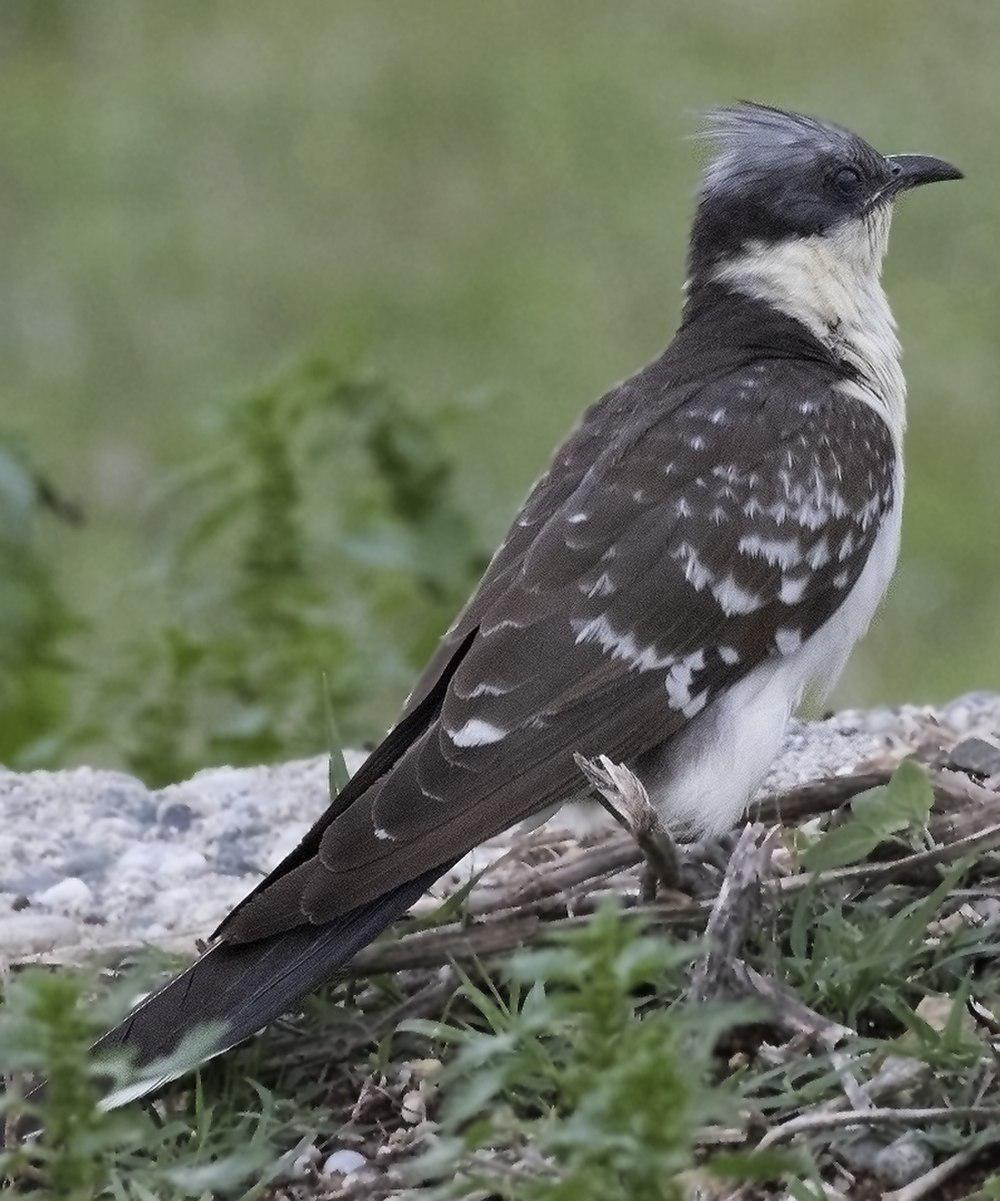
(452, 907)
(753, 1165)
(474, 1094)
(222, 1175)
(903, 803)
(803, 1191)
(434, 1031)
(339, 775)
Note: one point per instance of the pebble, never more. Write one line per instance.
(414, 1107)
(938, 1009)
(114, 862)
(303, 1162)
(343, 1162)
(27, 933)
(976, 756)
(859, 1152)
(903, 1160)
(177, 817)
(71, 895)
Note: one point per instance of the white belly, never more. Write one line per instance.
(704, 778)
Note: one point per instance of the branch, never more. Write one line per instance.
(508, 930)
(608, 859)
(736, 905)
(810, 1122)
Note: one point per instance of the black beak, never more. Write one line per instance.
(912, 170)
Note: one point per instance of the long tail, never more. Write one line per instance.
(244, 987)
(241, 986)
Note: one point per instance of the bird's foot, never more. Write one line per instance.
(623, 795)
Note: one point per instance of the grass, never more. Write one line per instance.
(223, 1143)
(577, 1068)
(584, 1077)
(553, 1050)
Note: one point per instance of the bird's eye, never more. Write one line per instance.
(846, 181)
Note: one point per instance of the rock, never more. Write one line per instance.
(159, 860)
(231, 860)
(988, 909)
(903, 1160)
(92, 861)
(859, 1152)
(165, 865)
(343, 1163)
(414, 1107)
(966, 713)
(936, 1010)
(177, 817)
(27, 883)
(68, 896)
(976, 756)
(424, 1069)
(29, 933)
(303, 1163)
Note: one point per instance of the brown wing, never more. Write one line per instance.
(708, 534)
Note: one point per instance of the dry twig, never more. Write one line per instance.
(507, 930)
(728, 924)
(809, 1123)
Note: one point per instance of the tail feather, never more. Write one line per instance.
(243, 987)
(242, 984)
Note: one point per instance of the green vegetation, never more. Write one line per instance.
(552, 1055)
(204, 1145)
(577, 1069)
(36, 622)
(555, 1064)
(272, 616)
(273, 623)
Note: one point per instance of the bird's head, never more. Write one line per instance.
(778, 178)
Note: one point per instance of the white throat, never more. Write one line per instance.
(832, 284)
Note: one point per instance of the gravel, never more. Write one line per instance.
(92, 859)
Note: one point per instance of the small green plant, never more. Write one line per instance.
(584, 1078)
(196, 1144)
(841, 957)
(903, 804)
(44, 1027)
(35, 621)
(306, 562)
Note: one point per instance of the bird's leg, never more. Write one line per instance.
(622, 794)
(648, 882)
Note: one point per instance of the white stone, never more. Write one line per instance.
(50, 821)
(71, 895)
(343, 1162)
(164, 859)
(32, 933)
(303, 1162)
(414, 1107)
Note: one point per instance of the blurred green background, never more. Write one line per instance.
(475, 215)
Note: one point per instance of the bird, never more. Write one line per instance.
(706, 546)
